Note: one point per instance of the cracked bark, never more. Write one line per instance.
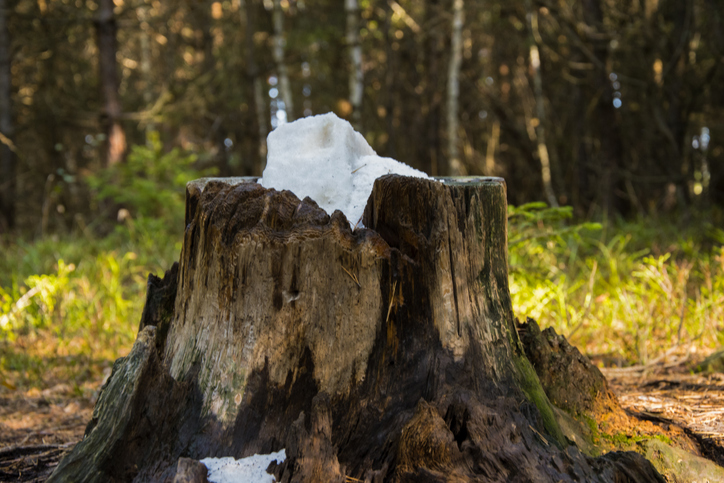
(388, 353)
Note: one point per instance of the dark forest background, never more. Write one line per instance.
(609, 106)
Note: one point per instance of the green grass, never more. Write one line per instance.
(627, 442)
(631, 289)
(70, 306)
(75, 302)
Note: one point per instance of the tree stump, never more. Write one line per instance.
(386, 353)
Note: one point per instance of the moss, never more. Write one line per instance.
(235, 389)
(622, 440)
(663, 439)
(578, 433)
(626, 441)
(676, 464)
(592, 426)
(534, 392)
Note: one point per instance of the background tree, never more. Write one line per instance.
(7, 148)
(248, 15)
(538, 121)
(453, 88)
(623, 98)
(285, 89)
(105, 23)
(356, 77)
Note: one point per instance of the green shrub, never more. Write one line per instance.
(151, 183)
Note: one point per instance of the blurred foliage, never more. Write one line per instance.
(632, 290)
(151, 183)
(75, 298)
(64, 298)
(184, 70)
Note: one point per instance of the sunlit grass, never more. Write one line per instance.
(70, 306)
(633, 290)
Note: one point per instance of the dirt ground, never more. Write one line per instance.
(38, 428)
(671, 394)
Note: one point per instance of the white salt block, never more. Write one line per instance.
(323, 157)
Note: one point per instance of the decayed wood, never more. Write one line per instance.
(386, 353)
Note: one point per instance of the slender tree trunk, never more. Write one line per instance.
(105, 23)
(430, 145)
(390, 83)
(679, 15)
(279, 43)
(611, 150)
(207, 45)
(355, 56)
(539, 126)
(145, 44)
(246, 8)
(215, 102)
(7, 156)
(49, 125)
(453, 89)
(580, 187)
(492, 146)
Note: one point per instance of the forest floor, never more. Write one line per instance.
(38, 427)
(668, 392)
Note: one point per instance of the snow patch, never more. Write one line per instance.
(323, 157)
(251, 469)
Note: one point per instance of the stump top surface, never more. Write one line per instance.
(465, 180)
(200, 184)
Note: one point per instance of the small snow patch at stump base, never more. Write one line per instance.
(251, 469)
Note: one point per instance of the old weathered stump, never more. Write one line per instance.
(386, 353)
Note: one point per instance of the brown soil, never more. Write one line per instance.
(670, 396)
(37, 429)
